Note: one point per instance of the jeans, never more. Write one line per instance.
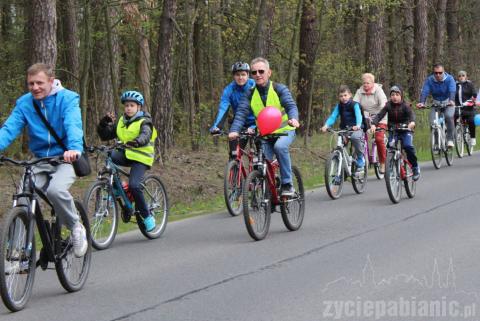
(137, 172)
(407, 144)
(358, 139)
(449, 121)
(280, 146)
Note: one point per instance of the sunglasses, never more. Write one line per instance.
(260, 72)
(438, 72)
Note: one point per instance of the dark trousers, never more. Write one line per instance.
(407, 143)
(469, 117)
(137, 171)
(232, 144)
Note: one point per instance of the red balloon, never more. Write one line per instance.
(269, 120)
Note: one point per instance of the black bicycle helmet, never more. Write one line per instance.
(240, 66)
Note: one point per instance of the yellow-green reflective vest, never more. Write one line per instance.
(272, 100)
(144, 154)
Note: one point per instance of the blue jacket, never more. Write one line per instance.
(244, 109)
(440, 90)
(61, 109)
(348, 117)
(230, 98)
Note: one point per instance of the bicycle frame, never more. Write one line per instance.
(439, 124)
(399, 153)
(239, 152)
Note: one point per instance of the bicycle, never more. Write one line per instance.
(103, 195)
(235, 173)
(438, 141)
(18, 247)
(398, 168)
(462, 132)
(340, 166)
(261, 195)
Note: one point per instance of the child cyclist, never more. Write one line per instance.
(232, 93)
(134, 129)
(350, 116)
(399, 112)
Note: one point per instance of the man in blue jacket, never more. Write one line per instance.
(442, 88)
(61, 108)
(267, 93)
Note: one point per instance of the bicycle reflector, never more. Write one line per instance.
(269, 120)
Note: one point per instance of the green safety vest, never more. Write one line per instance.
(272, 100)
(144, 154)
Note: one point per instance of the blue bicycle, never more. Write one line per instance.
(107, 192)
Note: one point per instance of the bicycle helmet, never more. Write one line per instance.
(240, 66)
(132, 95)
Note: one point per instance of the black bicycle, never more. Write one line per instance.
(17, 241)
(102, 197)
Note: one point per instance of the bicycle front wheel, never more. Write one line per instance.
(256, 205)
(293, 208)
(449, 155)
(103, 213)
(392, 178)
(436, 148)
(359, 181)
(459, 141)
(156, 197)
(334, 175)
(408, 182)
(17, 259)
(468, 141)
(72, 271)
(232, 188)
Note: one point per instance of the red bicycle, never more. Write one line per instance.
(261, 195)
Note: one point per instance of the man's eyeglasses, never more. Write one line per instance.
(438, 72)
(260, 71)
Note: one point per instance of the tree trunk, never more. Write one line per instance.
(84, 75)
(71, 41)
(44, 32)
(189, 91)
(263, 30)
(162, 109)
(438, 53)
(375, 44)
(294, 44)
(308, 44)
(454, 58)
(408, 44)
(113, 54)
(420, 50)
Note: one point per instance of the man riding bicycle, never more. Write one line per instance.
(61, 108)
(442, 87)
(267, 93)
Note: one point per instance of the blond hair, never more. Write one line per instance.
(368, 76)
(39, 67)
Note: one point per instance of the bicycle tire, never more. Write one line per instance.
(157, 201)
(293, 209)
(435, 148)
(12, 241)
(72, 279)
(459, 140)
(448, 152)
(392, 178)
(231, 192)
(359, 183)
(103, 214)
(334, 184)
(409, 184)
(468, 143)
(256, 210)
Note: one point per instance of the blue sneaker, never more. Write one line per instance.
(360, 162)
(149, 223)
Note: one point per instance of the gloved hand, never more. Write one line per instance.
(132, 143)
(214, 130)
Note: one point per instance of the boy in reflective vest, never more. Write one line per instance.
(134, 129)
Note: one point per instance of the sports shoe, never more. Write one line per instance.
(149, 223)
(287, 190)
(416, 173)
(450, 143)
(473, 141)
(360, 162)
(79, 240)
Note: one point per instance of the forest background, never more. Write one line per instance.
(178, 53)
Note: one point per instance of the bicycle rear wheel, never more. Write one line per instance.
(293, 208)
(392, 178)
(468, 143)
(72, 271)
(359, 182)
(435, 148)
(448, 152)
(459, 140)
(408, 182)
(333, 181)
(256, 205)
(102, 209)
(17, 259)
(378, 174)
(156, 197)
(232, 188)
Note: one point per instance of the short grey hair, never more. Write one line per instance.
(260, 59)
(368, 76)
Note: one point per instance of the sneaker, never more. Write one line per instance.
(287, 190)
(450, 143)
(416, 173)
(79, 240)
(360, 162)
(382, 168)
(473, 141)
(149, 223)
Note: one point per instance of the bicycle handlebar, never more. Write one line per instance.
(52, 160)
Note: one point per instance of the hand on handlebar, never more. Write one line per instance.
(411, 125)
(233, 135)
(324, 129)
(420, 105)
(293, 122)
(70, 156)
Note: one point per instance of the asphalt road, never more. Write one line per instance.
(350, 255)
